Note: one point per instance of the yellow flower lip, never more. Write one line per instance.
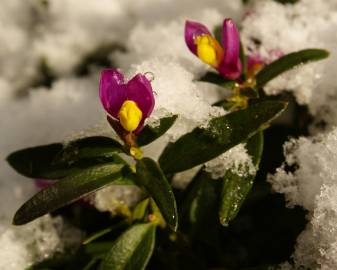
(209, 50)
(130, 115)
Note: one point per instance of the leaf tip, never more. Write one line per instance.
(224, 221)
(10, 160)
(325, 53)
(23, 216)
(280, 106)
(17, 219)
(284, 104)
(174, 225)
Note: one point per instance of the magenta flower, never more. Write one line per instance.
(255, 62)
(42, 183)
(128, 103)
(225, 58)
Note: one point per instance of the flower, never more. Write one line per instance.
(255, 62)
(225, 58)
(128, 103)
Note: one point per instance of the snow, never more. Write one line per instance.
(44, 116)
(61, 33)
(37, 241)
(178, 96)
(115, 198)
(237, 160)
(312, 185)
(294, 28)
(308, 178)
(94, 25)
(165, 40)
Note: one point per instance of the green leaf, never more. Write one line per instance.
(96, 146)
(103, 232)
(56, 160)
(235, 188)
(70, 189)
(221, 134)
(249, 92)
(216, 78)
(263, 267)
(243, 59)
(98, 248)
(218, 33)
(287, 1)
(154, 181)
(140, 209)
(132, 250)
(202, 196)
(287, 62)
(199, 209)
(36, 162)
(149, 134)
(97, 235)
(91, 264)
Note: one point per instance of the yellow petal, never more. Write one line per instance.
(130, 115)
(209, 50)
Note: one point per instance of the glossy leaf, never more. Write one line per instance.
(96, 146)
(132, 250)
(154, 181)
(140, 209)
(98, 248)
(150, 134)
(287, 1)
(218, 33)
(69, 190)
(235, 188)
(199, 209)
(103, 232)
(56, 160)
(216, 78)
(159, 219)
(243, 60)
(288, 62)
(97, 235)
(221, 134)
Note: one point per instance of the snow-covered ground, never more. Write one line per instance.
(60, 34)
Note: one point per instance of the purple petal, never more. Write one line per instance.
(231, 66)
(253, 60)
(112, 91)
(140, 127)
(193, 30)
(230, 71)
(274, 54)
(140, 91)
(43, 183)
(230, 41)
(117, 127)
